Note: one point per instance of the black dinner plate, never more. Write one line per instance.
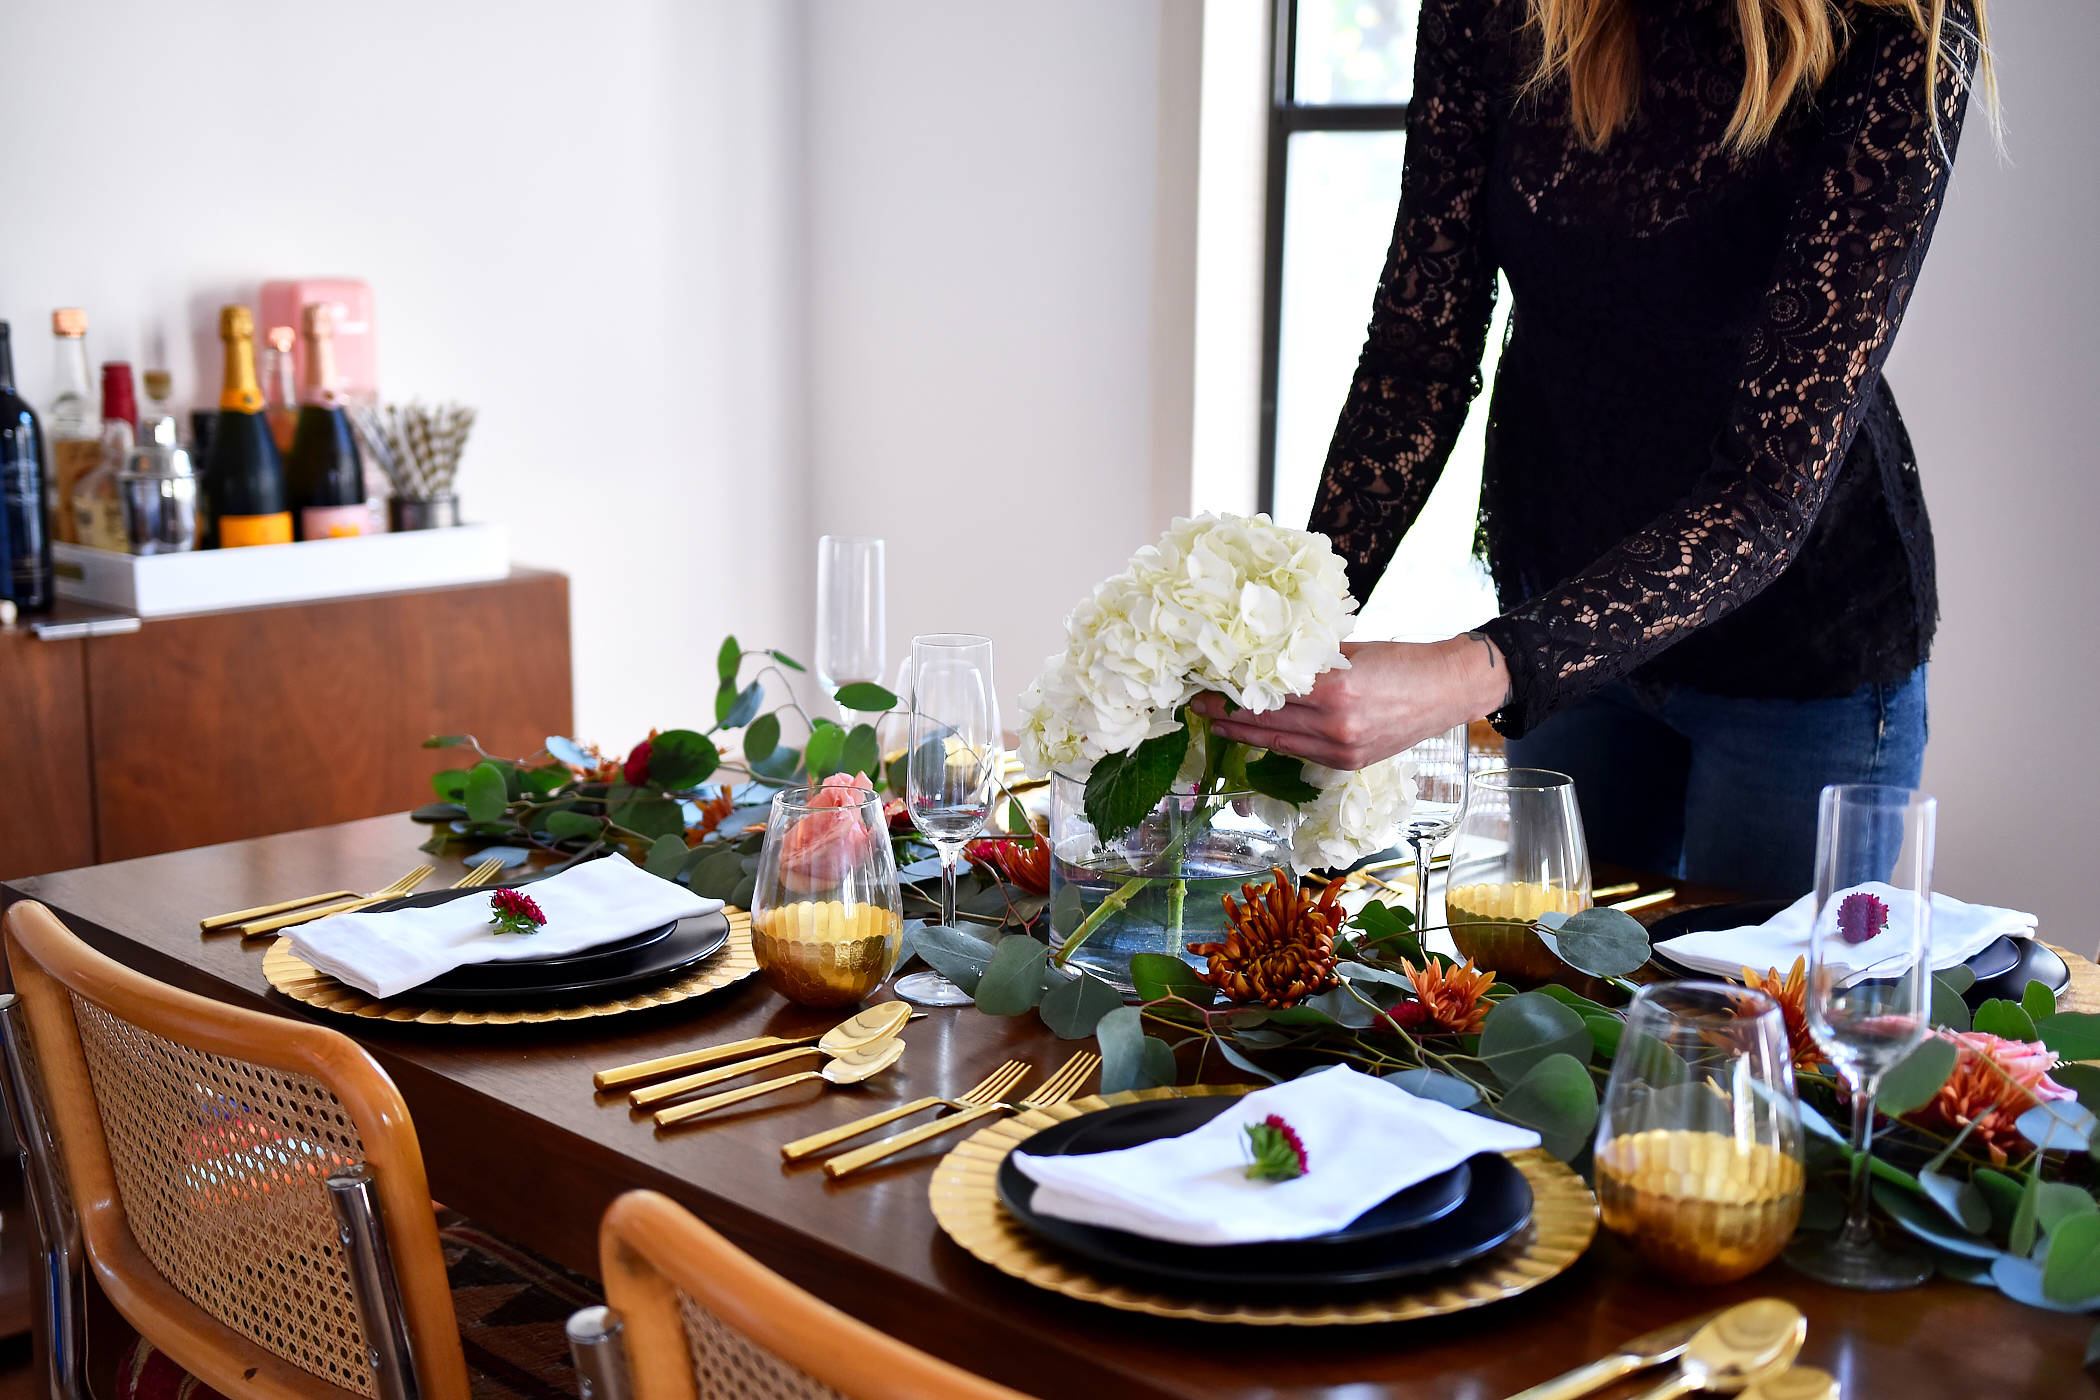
(2003, 967)
(1438, 1233)
(653, 955)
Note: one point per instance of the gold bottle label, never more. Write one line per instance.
(239, 531)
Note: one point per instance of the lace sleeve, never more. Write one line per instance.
(1420, 365)
(1850, 254)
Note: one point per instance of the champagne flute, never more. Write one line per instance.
(1869, 965)
(952, 770)
(849, 612)
(1442, 782)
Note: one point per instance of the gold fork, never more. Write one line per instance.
(1055, 1090)
(480, 875)
(992, 1088)
(226, 922)
(400, 887)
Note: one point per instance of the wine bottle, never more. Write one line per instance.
(25, 544)
(98, 506)
(324, 472)
(280, 389)
(75, 425)
(245, 478)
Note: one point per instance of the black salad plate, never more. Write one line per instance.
(1436, 1224)
(2003, 967)
(653, 955)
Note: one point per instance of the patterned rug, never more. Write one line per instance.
(511, 1302)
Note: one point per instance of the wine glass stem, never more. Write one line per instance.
(1858, 1232)
(1422, 849)
(948, 862)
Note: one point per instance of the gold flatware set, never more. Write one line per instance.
(1749, 1348)
(269, 918)
(856, 1049)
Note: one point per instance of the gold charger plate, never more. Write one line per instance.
(965, 1197)
(301, 982)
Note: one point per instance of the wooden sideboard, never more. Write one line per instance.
(226, 725)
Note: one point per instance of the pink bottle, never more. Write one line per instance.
(349, 304)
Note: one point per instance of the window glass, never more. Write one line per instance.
(1342, 192)
(1352, 52)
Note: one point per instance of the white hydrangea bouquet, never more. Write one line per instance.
(1227, 603)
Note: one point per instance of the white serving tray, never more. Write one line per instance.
(157, 585)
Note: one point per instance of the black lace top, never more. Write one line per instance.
(1694, 471)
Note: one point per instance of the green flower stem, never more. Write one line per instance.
(1117, 898)
(1177, 896)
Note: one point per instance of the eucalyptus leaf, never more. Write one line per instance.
(1574, 1001)
(1960, 976)
(1282, 777)
(1013, 980)
(1157, 975)
(1381, 920)
(1125, 787)
(1121, 1035)
(438, 812)
(544, 781)
(1919, 1219)
(568, 826)
(2063, 1125)
(1361, 972)
(861, 753)
(2004, 1018)
(1962, 1268)
(745, 708)
(1343, 1008)
(666, 857)
(2038, 1001)
(865, 697)
(1239, 1061)
(2025, 1281)
(1916, 1077)
(718, 876)
(1557, 1100)
(1603, 942)
(1156, 1067)
(1528, 1028)
(449, 741)
(1435, 1084)
(1068, 911)
(2082, 1080)
(567, 751)
(2075, 1035)
(2058, 1201)
(511, 856)
(1260, 1038)
(2001, 1193)
(779, 766)
(826, 743)
(487, 793)
(2020, 1238)
(728, 659)
(1962, 1202)
(1948, 1008)
(1073, 1007)
(1605, 1032)
(761, 737)
(649, 816)
(954, 954)
(788, 661)
(681, 758)
(450, 784)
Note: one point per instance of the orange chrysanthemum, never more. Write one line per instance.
(1280, 949)
(1791, 992)
(1994, 1081)
(1455, 998)
(1026, 867)
(711, 813)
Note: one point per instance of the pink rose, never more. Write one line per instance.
(831, 838)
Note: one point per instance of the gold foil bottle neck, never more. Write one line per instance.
(236, 323)
(69, 321)
(239, 393)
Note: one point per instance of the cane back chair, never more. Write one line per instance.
(699, 1319)
(211, 1153)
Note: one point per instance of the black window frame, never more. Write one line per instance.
(1287, 117)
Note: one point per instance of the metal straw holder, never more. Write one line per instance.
(435, 513)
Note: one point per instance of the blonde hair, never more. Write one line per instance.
(1789, 48)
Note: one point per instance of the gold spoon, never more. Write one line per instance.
(851, 1067)
(1795, 1383)
(878, 1023)
(1745, 1344)
(875, 1018)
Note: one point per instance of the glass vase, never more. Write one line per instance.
(826, 920)
(1158, 887)
(1699, 1135)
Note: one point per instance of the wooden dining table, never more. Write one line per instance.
(514, 1136)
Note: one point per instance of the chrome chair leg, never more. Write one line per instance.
(371, 1268)
(52, 1202)
(599, 1350)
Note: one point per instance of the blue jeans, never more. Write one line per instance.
(1720, 790)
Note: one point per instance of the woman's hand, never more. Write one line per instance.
(1393, 696)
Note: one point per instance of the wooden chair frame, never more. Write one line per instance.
(652, 1249)
(48, 961)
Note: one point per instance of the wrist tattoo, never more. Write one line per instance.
(1509, 691)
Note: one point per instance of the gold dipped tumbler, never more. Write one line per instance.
(826, 920)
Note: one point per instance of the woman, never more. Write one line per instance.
(1699, 504)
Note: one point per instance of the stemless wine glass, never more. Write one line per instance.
(826, 915)
(952, 769)
(1441, 783)
(1519, 853)
(849, 611)
(1699, 1137)
(1869, 965)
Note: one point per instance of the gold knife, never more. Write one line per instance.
(1650, 1349)
(624, 1075)
(264, 911)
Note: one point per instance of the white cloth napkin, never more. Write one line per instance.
(1959, 932)
(597, 902)
(1364, 1140)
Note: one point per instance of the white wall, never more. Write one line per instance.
(1995, 369)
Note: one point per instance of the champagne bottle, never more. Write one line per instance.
(280, 387)
(245, 478)
(25, 544)
(324, 472)
(76, 426)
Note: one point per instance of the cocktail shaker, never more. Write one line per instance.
(159, 491)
